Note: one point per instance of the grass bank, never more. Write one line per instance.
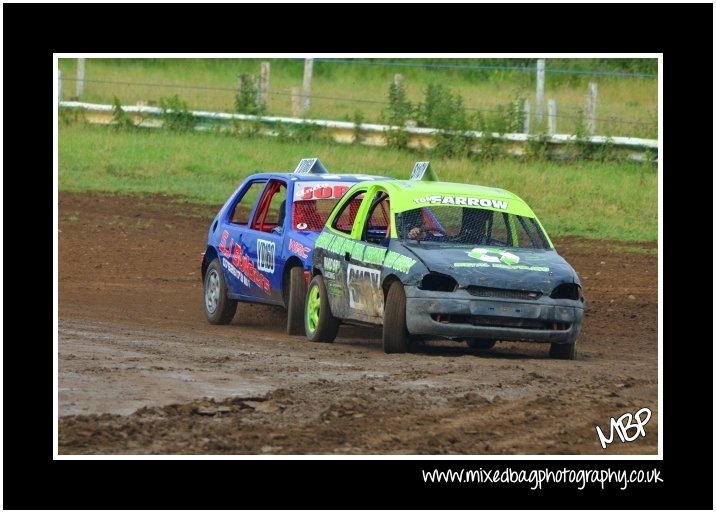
(597, 200)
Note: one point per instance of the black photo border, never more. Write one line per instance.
(33, 480)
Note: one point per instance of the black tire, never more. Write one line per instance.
(563, 351)
(395, 332)
(218, 308)
(296, 302)
(320, 324)
(480, 343)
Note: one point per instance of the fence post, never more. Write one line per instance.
(295, 102)
(398, 79)
(539, 106)
(592, 108)
(80, 78)
(527, 117)
(59, 84)
(551, 117)
(265, 74)
(307, 77)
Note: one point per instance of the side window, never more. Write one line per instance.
(378, 226)
(529, 234)
(268, 210)
(346, 217)
(309, 215)
(242, 210)
(277, 207)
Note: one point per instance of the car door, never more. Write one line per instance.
(371, 234)
(335, 254)
(362, 257)
(231, 247)
(263, 260)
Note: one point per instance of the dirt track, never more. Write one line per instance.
(142, 372)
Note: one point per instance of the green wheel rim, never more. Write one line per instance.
(313, 308)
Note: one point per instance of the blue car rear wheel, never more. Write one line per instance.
(218, 308)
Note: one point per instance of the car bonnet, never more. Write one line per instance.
(495, 267)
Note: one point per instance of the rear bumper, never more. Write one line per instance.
(461, 315)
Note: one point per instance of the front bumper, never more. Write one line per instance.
(460, 315)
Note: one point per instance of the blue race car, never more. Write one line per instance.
(260, 244)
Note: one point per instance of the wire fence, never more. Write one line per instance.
(616, 113)
(482, 67)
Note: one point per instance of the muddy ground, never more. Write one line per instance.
(142, 372)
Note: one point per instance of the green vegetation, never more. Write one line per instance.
(176, 115)
(626, 105)
(246, 100)
(610, 200)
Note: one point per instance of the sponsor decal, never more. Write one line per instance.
(462, 200)
(314, 190)
(266, 255)
(493, 257)
(324, 240)
(335, 289)
(374, 255)
(518, 267)
(223, 247)
(358, 252)
(330, 267)
(400, 263)
(299, 249)
(235, 272)
(362, 281)
(365, 253)
(242, 263)
(498, 260)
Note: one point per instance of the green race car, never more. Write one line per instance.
(429, 259)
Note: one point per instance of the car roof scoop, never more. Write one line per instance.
(311, 166)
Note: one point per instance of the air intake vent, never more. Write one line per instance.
(503, 293)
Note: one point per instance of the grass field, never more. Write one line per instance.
(627, 106)
(596, 200)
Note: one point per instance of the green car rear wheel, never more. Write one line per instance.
(320, 324)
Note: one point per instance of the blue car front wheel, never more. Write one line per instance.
(296, 301)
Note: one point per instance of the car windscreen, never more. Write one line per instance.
(471, 226)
